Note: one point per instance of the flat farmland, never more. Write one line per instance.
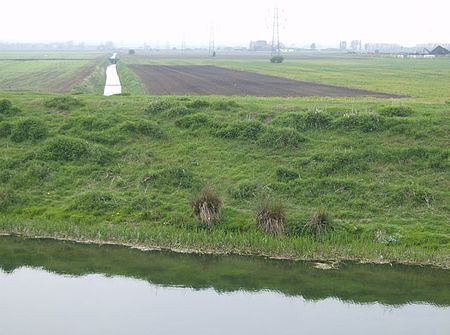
(213, 80)
(425, 79)
(46, 72)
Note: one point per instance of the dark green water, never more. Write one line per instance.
(51, 287)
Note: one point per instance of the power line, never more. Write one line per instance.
(276, 56)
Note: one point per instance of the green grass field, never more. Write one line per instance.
(124, 169)
(51, 72)
(425, 79)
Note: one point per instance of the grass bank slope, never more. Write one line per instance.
(124, 169)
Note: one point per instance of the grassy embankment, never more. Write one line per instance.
(123, 169)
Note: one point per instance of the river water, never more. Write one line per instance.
(112, 84)
(51, 287)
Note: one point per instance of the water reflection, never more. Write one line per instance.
(34, 301)
(389, 285)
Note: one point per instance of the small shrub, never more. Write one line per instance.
(5, 129)
(146, 128)
(270, 216)
(319, 223)
(192, 121)
(66, 149)
(286, 175)
(207, 206)
(399, 111)
(5, 105)
(29, 129)
(63, 103)
(245, 191)
(159, 105)
(244, 130)
(281, 138)
(277, 59)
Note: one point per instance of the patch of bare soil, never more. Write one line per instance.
(213, 80)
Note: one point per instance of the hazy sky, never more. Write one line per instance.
(324, 22)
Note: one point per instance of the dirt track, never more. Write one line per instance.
(212, 80)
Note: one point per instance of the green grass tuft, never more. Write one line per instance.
(281, 138)
(146, 128)
(245, 191)
(5, 105)
(192, 121)
(159, 105)
(66, 149)
(63, 103)
(243, 130)
(398, 111)
(6, 129)
(284, 174)
(31, 129)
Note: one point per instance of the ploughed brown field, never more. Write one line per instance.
(213, 80)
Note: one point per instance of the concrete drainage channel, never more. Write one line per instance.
(112, 85)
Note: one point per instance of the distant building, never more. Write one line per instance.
(356, 45)
(384, 48)
(259, 45)
(439, 51)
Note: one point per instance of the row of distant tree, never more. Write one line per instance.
(262, 45)
(259, 45)
(56, 46)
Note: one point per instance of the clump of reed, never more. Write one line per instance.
(270, 216)
(207, 206)
(319, 223)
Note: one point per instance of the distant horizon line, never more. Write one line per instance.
(165, 45)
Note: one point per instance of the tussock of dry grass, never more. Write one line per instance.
(319, 223)
(270, 216)
(207, 206)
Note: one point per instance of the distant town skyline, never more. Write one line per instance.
(135, 23)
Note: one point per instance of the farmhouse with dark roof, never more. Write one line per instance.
(439, 51)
